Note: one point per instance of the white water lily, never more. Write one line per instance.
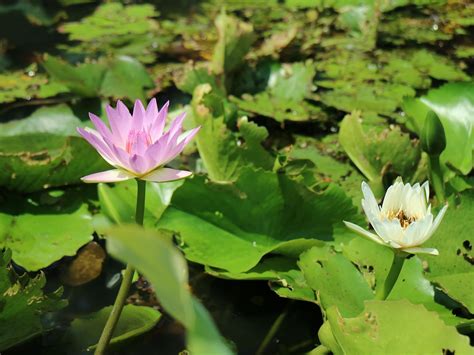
(404, 221)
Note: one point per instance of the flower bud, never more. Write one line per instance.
(433, 138)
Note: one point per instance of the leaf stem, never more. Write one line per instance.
(119, 303)
(397, 265)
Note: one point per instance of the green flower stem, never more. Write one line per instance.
(397, 265)
(114, 316)
(436, 176)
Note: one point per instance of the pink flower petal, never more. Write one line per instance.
(138, 116)
(151, 113)
(182, 140)
(158, 125)
(100, 126)
(98, 145)
(119, 131)
(176, 126)
(114, 175)
(166, 174)
(140, 164)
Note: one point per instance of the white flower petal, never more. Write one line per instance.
(393, 198)
(369, 203)
(389, 231)
(426, 188)
(417, 250)
(435, 224)
(417, 231)
(363, 232)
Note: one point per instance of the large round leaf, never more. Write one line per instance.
(232, 226)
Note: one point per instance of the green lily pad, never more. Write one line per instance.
(374, 262)
(127, 78)
(393, 327)
(27, 85)
(23, 305)
(118, 202)
(377, 149)
(164, 266)
(84, 79)
(47, 160)
(39, 235)
(223, 152)
(287, 85)
(260, 213)
(283, 274)
(235, 40)
(118, 29)
(336, 281)
(452, 269)
(58, 120)
(84, 332)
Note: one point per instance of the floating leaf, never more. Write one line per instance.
(40, 235)
(84, 332)
(223, 152)
(27, 85)
(379, 150)
(452, 270)
(118, 202)
(84, 79)
(235, 39)
(376, 326)
(23, 305)
(259, 214)
(126, 78)
(336, 281)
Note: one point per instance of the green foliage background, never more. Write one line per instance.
(299, 102)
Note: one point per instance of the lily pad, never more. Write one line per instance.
(224, 152)
(379, 326)
(23, 305)
(336, 281)
(39, 235)
(27, 85)
(118, 29)
(452, 270)
(84, 332)
(260, 213)
(378, 150)
(118, 202)
(235, 39)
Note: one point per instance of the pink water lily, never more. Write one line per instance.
(137, 144)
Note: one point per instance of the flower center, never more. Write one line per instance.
(405, 220)
(136, 140)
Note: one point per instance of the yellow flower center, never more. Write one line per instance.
(405, 220)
